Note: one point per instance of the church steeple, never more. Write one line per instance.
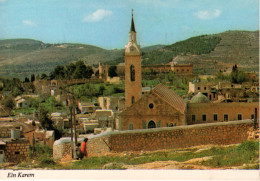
(132, 47)
(132, 23)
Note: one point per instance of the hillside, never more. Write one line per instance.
(22, 57)
(208, 54)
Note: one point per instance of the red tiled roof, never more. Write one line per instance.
(170, 97)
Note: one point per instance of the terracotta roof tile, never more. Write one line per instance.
(170, 97)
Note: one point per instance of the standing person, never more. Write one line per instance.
(84, 147)
(79, 155)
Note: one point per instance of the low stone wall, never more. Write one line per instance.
(223, 133)
(181, 136)
(17, 150)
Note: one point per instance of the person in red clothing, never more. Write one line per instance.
(83, 149)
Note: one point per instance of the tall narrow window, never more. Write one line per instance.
(133, 99)
(132, 73)
(193, 118)
(215, 117)
(239, 117)
(225, 117)
(204, 117)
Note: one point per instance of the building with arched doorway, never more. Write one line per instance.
(161, 107)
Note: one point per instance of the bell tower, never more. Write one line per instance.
(133, 79)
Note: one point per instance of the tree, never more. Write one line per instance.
(26, 79)
(112, 71)
(82, 71)
(45, 121)
(58, 72)
(70, 69)
(8, 102)
(32, 78)
(44, 76)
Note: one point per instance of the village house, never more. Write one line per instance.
(112, 103)
(88, 107)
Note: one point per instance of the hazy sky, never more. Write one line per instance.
(106, 23)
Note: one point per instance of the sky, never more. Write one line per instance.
(106, 23)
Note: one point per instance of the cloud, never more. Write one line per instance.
(205, 15)
(28, 23)
(98, 15)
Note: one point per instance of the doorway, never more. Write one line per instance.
(151, 124)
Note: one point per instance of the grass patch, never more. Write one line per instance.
(244, 153)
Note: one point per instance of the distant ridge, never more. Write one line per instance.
(208, 53)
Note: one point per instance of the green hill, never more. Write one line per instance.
(22, 57)
(208, 53)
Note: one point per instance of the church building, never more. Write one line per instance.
(159, 108)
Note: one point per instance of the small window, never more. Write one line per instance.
(205, 88)
(204, 117)
(131, 126)
(182, 70)
(188, 70)
(1, 152)
(215, 117)
(132, 73)
(151, 105)
(198, 88)
(133, 99)
(17, 152)
(252, 116)
(239, 117)
(225, 117)
(193, 118)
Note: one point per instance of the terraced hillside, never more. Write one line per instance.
(208, 54)
(234, 47)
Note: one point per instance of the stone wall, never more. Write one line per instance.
(222, 133)
(181, 136)
(17, 150)
(5, 132)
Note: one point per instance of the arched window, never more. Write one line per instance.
(133, 99)
(131, 126)
(132, 73)
(151, 124)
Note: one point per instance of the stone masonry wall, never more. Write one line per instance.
(222, 133)
(181, 136)
(17, 150)
(5, 132)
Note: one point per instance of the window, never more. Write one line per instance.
(205, 88)
(204, 117)
(182, 70)
(17, 152)
(171, 125)
(193, 118)
(131, 126)
(239, 117)
(225, 117)
(151, 105)
(252, 116)
(215, 117)
(132, 73)
(198, 88)
(133, 99)
(188, 70)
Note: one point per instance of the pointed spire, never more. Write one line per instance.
(132, 23)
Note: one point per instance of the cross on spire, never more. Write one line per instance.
(132, 23)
